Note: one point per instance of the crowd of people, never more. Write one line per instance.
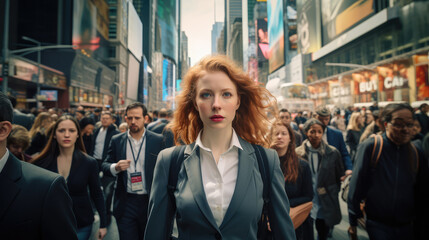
(121, 165)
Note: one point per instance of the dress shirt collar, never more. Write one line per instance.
(3, 160)
(234, 142)
(132, 139)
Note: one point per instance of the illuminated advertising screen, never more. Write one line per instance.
(393, 78)
(365, 86)
(133, 78)
(145, 81)
(48, 95)
(340, 15)
(291, 14)
(91, 27)
(275, 34)
(168, 80)
(262, 39)
(422, 77)
(167, 20)
(309, 35)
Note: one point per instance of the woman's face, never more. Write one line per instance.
(315, 134)
(281, 138)
(360, 120)
(216, 100)
(66, 134)
(369, 118)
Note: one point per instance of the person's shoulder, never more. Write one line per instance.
(154, 135)
(37, 175)
(303, 163)
(119, 136)
(333, 130)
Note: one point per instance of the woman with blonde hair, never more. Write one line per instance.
(297, 174)
(38, 133)
(219, 190)
(18, 141)
(354, 132)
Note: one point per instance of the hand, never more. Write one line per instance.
(122, 165)
(348, 172)
(352, 232)
(101, 233)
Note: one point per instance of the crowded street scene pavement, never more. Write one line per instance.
(214, 119)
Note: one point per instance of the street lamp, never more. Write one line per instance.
(38, 67)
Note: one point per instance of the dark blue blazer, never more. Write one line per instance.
(336, 139)
(118, 151)
(34, 203)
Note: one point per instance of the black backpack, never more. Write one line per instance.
(177, 158)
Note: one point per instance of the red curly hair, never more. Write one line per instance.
(250, 122)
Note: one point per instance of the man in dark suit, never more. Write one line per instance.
(423, 118)
(335, 138)
(131, 157)
(34, 203)
(19, 117)
(158, 125)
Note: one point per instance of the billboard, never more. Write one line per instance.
(291, 14)
(48, 95)
(339, 16)
(309, 33)
(275, 34)
(167, 19)
(422, 77)
(91, 27)
(168, 80)
(135, 32)
(262, 39)
(133, 77)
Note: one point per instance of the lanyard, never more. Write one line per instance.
(138, 154)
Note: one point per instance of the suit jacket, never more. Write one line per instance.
(158, 128)
(111, 131)
(34, 203)
(118, 151)
(194, 217)
(336, 139)
(22, 119)
(84, 173)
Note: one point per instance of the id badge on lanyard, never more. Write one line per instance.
(136, 177)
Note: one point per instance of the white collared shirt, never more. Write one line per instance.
(139, 167)
(219, 179)
(99, 143)
(3, 160)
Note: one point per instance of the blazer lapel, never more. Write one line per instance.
(193, 169)
(246, 160)
(122, 150)
(10, 174)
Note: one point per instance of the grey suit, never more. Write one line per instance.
(194, 217)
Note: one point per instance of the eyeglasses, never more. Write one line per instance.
(402, 125)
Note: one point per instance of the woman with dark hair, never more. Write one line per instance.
(327, 169)
(296, 173)
(219, 191)
(65, 154)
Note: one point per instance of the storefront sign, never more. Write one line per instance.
(369, 86)
(395, 81)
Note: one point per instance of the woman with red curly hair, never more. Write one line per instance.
(220, 114)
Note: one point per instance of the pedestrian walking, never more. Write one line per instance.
(131, 158)
(354, 132)
(392, 177)
(65, 154)
(219, 189)
(297, 175)
(327, 170)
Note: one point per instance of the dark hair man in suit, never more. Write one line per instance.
(131, 157)
(34, 202)
(19, 117)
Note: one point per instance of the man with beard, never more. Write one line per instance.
(391, 176)
(131, 157)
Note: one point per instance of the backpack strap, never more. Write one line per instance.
(378, 147)
(177, 158)
(264, 170)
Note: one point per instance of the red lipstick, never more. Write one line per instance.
(216, 118)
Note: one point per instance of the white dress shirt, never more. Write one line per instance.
(140, 161)
(99, 143)
(219, 179)
(3, 160)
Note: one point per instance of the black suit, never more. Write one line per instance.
(118, 151)
(22, 119)
(111, 131)
(34, 203)
(84, 173)
(122, 200)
